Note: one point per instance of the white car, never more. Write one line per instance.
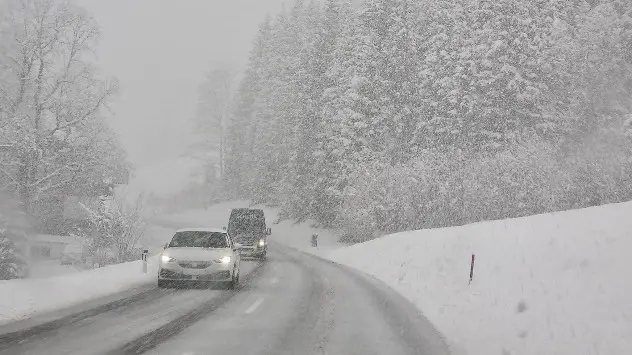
(200, 255)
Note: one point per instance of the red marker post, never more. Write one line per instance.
(472, 268)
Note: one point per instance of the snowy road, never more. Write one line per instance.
(291, 304)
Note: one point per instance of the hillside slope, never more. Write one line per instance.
(557, 283)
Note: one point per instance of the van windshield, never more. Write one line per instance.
(246, 224)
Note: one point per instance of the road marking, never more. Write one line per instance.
(255, 305)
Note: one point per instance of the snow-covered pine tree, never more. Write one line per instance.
(279, 106)
(323, 29)
(507, 76)
(299, 177)
(600, 70)
(371, 105)
(396, 81)
(242, 126)
(594, 53)
(272, 135)
(340, 142)
(443, 61)
(332, 46)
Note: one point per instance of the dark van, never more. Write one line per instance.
(247, 227)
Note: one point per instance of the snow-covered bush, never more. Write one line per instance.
(363, 200)
(627, 132)
(12, 263)
(114, 231)
(381, 198)
(600, 170)
(522, 181)
(441, 189)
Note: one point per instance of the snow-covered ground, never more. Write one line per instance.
(20, 299)
(52, 287)
(558, 283)
(549, 284)
(41, 269)
(153, 238)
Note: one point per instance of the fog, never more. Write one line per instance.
(159, 50)
(452, 164)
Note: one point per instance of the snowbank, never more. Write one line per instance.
(41, 269)
(549, 284)
(20, 299)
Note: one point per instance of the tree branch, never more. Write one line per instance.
(49, 176)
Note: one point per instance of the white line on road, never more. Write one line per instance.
(255, 305)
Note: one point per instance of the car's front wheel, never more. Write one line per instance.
(232, 284)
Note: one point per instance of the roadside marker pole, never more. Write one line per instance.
(472, 268)
(145, 252)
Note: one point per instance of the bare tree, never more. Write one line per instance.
(215, 95)
(115, 229)
(51, 96)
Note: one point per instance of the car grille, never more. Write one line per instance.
(168, 274)
(220, 275)
(247, 240)
(195, 264)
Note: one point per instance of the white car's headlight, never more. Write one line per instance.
(262, 242)
(167, 259)
(224, 260)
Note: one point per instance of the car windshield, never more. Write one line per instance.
(199, 239)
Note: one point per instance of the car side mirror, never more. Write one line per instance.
(269, 231)
(238, 246)
(166, 245)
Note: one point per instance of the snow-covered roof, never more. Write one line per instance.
(202, 229)
(47, 238)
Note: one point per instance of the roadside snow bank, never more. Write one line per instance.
(20, 299)
(558, 283)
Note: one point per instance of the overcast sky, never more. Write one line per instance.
(160, 50)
